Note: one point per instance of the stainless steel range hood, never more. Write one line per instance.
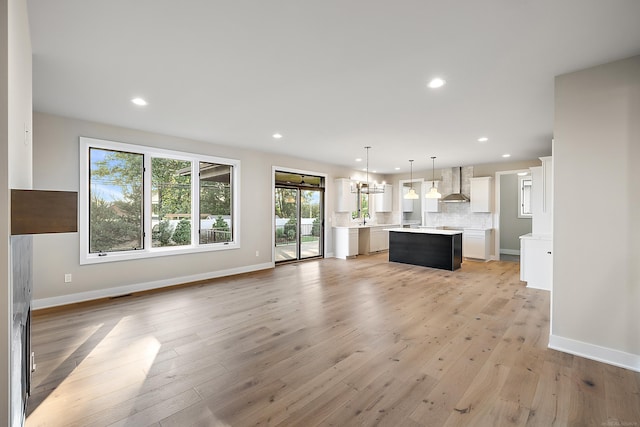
(456, 197)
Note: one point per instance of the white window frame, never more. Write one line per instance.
(521, 180)
(149, 251)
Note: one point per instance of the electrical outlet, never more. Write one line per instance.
(257, 253)
(67, 278)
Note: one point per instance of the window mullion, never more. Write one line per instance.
(195, 203)
(146, 189)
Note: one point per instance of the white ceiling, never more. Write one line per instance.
(330, 75)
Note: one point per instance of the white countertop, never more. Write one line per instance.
(537, 236)
(426, 231)
(447, 227)
(368, 226)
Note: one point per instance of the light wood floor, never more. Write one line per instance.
(327, 342)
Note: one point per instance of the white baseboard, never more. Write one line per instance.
(510, 251)
(138, 287)
(596, 352)
(329, 255)
(534, 286)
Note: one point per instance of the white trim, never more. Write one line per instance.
(521, 180)
(146, 286)
(148, 152)
(595, 352)
(510, 251)
(274, 169)
(496, 208)
(534, 286)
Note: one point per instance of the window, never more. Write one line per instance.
(215, 203)
(115, 201)
(524, 197)
(170, 202)
(139, 202)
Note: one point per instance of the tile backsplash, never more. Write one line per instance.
(458, 215)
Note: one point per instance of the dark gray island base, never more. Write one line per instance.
(426, 247)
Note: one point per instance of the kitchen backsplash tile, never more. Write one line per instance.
(458, 215)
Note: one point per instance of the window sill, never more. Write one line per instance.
(155, 252)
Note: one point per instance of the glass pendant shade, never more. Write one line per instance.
(433, 193)
(411, 194)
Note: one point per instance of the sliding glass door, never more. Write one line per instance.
(299, 225)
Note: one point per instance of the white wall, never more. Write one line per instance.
(55, 162)
(596, 276)
(15, 166)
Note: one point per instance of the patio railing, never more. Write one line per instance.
(213, 235)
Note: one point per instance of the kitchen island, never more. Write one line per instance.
(426, 247)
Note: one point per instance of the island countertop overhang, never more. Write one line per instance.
(425, 231)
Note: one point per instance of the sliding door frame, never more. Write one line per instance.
(325, 232)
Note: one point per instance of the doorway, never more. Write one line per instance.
(298, 215)
(513, 216)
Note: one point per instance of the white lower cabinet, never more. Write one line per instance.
(378, 239)
(361, 240)
(536, 261)
(476, 244)
(346, 242)
(373, 239)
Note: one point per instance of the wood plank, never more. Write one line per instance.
(323, 342)
(40, 211)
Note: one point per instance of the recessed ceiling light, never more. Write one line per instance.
(397, 168)
(277, 135)
(483, 139)
(506, 155)
(374, 171)
(436, 83)
(139, 101)
(358, 159)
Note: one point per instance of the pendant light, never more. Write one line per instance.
(366, 187)
(433, 193)
(412, 195)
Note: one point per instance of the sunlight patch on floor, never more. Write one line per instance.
(106, 369)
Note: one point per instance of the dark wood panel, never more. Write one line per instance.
(40, 211)
(426, 249)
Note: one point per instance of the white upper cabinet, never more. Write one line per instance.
(345, 199)
(384, 201)
(482, 194)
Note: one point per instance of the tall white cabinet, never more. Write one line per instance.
(536, 262)
(536, 248)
